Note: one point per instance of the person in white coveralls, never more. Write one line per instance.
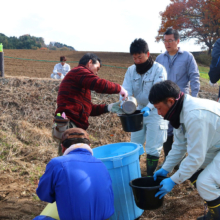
(60, 69)
(196, 125)
(139, 79)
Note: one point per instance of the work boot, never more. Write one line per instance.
(166, 148)
(151, 164)
(214, 210)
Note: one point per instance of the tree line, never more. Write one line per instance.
(30, 42)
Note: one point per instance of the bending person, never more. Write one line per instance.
(196, 125)
(72, 181)
(74, 95)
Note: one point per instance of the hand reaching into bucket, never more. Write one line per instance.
(167, 185)
(160, 172)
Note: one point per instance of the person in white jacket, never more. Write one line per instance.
(60, 69)
(197, 132)
(139, 79)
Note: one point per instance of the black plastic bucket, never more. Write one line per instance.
(144, 190)
(132, 122)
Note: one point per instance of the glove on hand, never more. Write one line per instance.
(123, 93)
(146, 111)
(212, 84)
(115, 108)
(167, 186)
(160, 172)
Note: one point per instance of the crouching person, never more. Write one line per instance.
(78, 182)
(197, 132)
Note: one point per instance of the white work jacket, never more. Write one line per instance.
(58, 68)
(139, 85)
(198, 135)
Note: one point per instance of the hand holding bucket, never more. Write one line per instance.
(167, 186)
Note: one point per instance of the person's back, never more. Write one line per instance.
(79, 183)
(82, 186)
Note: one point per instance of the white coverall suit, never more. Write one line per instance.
(199, 136)
(154, 131)
(59, 68)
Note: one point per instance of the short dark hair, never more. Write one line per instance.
(163, 90)
(62, 58)
(89, 56)
(68, 142)
(170, 31)
(139, 46)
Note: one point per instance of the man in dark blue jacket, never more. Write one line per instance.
(214, 72)
(78, 182)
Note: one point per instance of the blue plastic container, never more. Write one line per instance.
(122, 162)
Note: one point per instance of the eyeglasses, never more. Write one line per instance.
(168, 41)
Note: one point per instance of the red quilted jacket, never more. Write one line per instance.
(74, 95)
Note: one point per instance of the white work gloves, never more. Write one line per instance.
(123, 93)
(115, 108)
(212, 84)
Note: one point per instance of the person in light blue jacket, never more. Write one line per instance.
(139, 79)
(196, 125)
(181, 68)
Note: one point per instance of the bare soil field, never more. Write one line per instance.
(27, 104)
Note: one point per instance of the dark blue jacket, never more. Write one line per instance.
(81, 186)
(214, 72)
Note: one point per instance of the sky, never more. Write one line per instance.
(88, 25)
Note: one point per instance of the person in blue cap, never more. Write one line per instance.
(78, 182)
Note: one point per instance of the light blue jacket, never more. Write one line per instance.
(182, 70)
(198, 135)
(139, 85)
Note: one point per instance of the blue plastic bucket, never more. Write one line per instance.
(122, 162)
